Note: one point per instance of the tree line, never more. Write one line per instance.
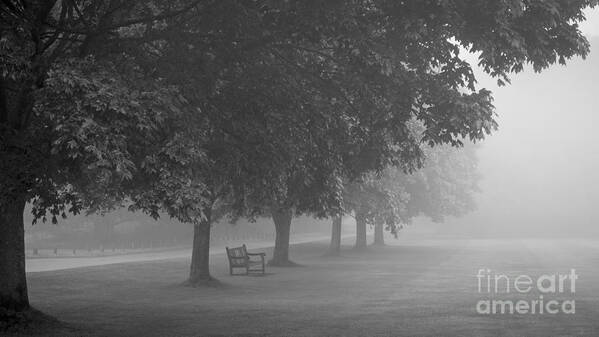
(204, 109)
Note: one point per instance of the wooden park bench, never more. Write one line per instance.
(240, 258)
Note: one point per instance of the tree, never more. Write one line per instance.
(446, 185)
(377, 199)
(443, 186)
(421, 66)
(79, 118)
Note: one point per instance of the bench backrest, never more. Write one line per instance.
(238, 256)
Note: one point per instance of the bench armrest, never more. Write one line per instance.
(256, 254)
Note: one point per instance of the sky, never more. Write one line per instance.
(541, 168)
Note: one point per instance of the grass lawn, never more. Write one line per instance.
(415, 288)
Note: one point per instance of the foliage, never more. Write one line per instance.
(282, 98)
(444, 186)
(77, 125)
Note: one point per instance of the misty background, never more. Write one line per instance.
(540, 170)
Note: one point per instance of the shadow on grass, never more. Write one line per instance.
(284, 264)
(367, 249)
(331, 254)
(208, 283)
(32, 322)
(255, 275)
(338, 255)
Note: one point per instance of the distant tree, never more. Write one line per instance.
(377, 199)
(444, 186)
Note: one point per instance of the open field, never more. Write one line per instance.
(415, 288)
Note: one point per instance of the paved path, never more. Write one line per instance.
(48, 264)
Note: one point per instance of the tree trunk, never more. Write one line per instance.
(13, 282)
(200, 255)
(282, 220)
(379, 238)
(360, 230)
(335, 247)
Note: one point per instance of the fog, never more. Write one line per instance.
(204, 112)
(540, 170)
